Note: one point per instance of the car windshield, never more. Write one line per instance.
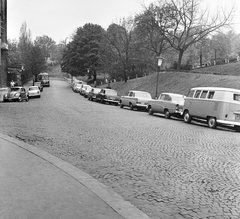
(15, 88)
(33, 88)
(111, 92)
(143, 95)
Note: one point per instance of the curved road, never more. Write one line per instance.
(166, 168)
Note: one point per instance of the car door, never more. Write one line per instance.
(158, 105)
(23, 93)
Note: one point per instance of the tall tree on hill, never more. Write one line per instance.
(185, 23)
(120, 37)
(83, 54)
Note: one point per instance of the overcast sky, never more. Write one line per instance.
(58, 19)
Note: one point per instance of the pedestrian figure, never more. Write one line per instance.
(12, 83)
(109, 86)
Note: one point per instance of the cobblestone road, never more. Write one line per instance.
(166, 168)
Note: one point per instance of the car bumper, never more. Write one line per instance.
(111, 101)
(34, 95)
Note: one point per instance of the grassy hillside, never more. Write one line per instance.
(176, 82)
(227, 69)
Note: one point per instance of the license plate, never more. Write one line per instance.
(237, 117)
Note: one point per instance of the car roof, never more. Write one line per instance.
(216, 89)
(33, 86)
(138, 91)
(173, 94)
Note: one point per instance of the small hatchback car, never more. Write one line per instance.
(33, 91)
(16, 94)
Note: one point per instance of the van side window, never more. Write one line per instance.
(197, 94)
(236, 97)
(204, 94)
(190, 93)
(210, 94)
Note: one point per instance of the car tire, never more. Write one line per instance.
(102, 100)
(121, 105)
(237, 128)
(26, 99)
(150, 110)
(131, 106)
(186, 117)
(167, 114)
(212, 122)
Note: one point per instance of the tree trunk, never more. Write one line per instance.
(201, 58)
(180, 55)
(125, 74)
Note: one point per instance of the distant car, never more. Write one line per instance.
(3, 91)
(169, 104)
(84, 86)
(76, 87)
(86, 91)
(40, 86)
(135, 100)
(108, 96)
(92, 94)
(16, 94)
(33, 91)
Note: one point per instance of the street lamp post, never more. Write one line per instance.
(160, 60)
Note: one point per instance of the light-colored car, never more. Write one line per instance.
(92, 94)
(76, 87)
(16, 94)
(108, 96)
(135, 99)
(169, 104)
(33, 91)
(86, 91)
(84, 86)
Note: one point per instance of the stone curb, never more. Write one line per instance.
(112, 199)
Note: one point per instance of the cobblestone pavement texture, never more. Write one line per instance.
(166, 168)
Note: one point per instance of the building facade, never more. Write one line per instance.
(3, 43)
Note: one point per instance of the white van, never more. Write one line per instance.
(216, 105)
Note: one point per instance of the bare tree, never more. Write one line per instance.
(187, 24)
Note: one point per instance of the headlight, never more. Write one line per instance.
(16, 95)
(5, 95)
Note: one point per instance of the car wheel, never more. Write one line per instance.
(116, 104)
(212, 122)
(19, 99)
(102, 100)
(121, 105)
(150, 110)
(186, 117)
(237, 128)
(131, 106)
(26, 99)
(167, 114)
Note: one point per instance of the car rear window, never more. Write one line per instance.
(236, 97)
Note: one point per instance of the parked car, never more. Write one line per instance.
(3, 91)
(135, 99)
(86, 91)
(33, 91)
(16, 94)
(40, 86)
(169, 104)
(76, 87)
(108, 96)
(217, 106)
(84, 86)
(92, 94)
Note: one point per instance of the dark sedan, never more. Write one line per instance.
(108, 96)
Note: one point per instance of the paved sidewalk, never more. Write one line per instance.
(35, 184)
